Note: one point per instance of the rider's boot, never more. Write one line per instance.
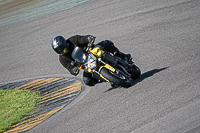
(126, 57)
(122, 55)
(116, 51)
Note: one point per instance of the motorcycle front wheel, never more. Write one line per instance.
(114, 78)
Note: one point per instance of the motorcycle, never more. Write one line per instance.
(105, 66)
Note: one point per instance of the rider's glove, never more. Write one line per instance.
(91, 38)
(75, 70)
(74, 64)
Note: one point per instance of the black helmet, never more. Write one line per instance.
(59, 45)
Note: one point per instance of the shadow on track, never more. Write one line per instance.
(142, 77)
(147, 75)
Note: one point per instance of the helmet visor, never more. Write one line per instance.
(59, 50)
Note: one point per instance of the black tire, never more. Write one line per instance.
(135, 72)
(119, 80)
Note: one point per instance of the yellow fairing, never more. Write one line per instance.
(97, 51)
(89, 70)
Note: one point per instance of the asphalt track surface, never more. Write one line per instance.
(164, 40)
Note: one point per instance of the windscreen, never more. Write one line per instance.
(79, 55)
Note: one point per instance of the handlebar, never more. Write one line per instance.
(90, 44)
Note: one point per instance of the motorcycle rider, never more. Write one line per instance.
(65, 48)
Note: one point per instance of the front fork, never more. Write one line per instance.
(97, 75)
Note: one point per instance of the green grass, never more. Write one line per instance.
(14, 105)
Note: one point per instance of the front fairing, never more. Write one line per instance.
(79, 55)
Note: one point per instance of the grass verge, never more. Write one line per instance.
(14, 105)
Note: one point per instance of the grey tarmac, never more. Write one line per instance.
(163, 38)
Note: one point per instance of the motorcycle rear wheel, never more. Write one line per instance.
(135, 72)
(114, 78)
